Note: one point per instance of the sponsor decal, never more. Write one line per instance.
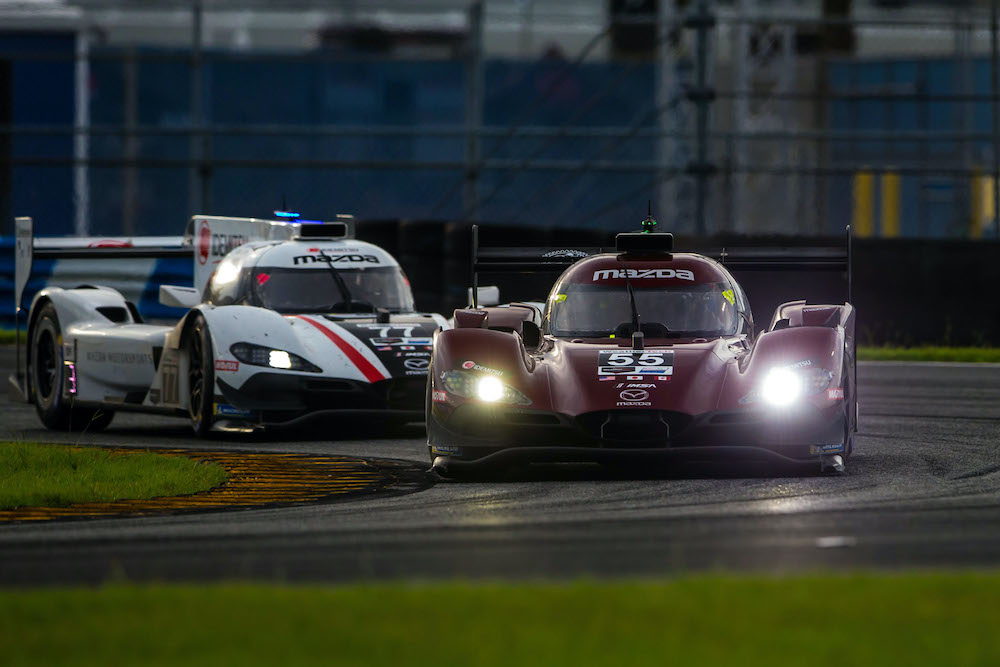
(729, 296)
(835, 394)
(826, 449)
(384, 349)
(69, 352)
(566, 252)
(634, 395)
(204, 242)
(416, 343)
(473, 366)
(800, 364)
(439, 396)
(119, 357)
(656, 274)
(226, 410)
(605, 378)
(334, 259)
(417, 364)
(227, 365)
(633, 404)
(416, 354)
(635, 385)
(447, 450)
(635, 362)
(662, 378)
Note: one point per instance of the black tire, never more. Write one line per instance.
(47, 379)
(201, 377)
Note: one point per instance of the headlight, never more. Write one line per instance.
(783, 386)
(485, 388)
(258, 355)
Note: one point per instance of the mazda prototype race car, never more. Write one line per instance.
(287, 321)
(643, 353)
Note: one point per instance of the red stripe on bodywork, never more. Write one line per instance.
(371, 373)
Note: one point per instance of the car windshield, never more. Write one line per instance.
(316, 291)
(594, 311)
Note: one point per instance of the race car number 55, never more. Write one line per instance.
(614, 362)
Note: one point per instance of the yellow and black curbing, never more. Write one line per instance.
(255, 480)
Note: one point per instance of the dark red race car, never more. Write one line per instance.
(648, 354)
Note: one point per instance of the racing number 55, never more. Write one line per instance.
(635, 359)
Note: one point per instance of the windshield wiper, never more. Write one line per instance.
(636, 326)
(345, 294)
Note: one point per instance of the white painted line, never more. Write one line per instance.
(836, 542)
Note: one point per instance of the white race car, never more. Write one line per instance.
(287, 321)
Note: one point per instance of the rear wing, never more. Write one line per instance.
(773, 275)
(126, 265)
(768, 274)
(521, 266)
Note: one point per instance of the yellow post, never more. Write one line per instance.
(889, 186)
(982, 204)
(863, 193)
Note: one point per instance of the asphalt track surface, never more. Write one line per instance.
(922, 489)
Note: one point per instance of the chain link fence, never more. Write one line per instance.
(735, 117)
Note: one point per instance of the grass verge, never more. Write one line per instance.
(33, 475)
(929, 353)
(912, 619)
(8, 336)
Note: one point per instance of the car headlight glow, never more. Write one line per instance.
(489, 389)
(781, 387)
(486, 388)
(279, 359)
(260, 355)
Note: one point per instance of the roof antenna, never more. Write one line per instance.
(284, 207)
(649, 225)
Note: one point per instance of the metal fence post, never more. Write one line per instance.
(995, 105)
(703, 21)
(473, 110)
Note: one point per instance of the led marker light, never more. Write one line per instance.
(279, 359)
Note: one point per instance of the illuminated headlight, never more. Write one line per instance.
(485, 388)
(259, 355)
(783, 386)
(279, 359)
(489, 389)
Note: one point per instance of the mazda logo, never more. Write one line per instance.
(634, 395)
(417, 364)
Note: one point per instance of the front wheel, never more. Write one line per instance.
(201, 377)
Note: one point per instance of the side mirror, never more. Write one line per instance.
(176, 296)
(488, 295)
(531, 335)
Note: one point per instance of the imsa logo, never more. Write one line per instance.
(655, 274)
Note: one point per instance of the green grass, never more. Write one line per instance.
(915, 619)
(57, 475)
(929, 353)
(8, 337)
